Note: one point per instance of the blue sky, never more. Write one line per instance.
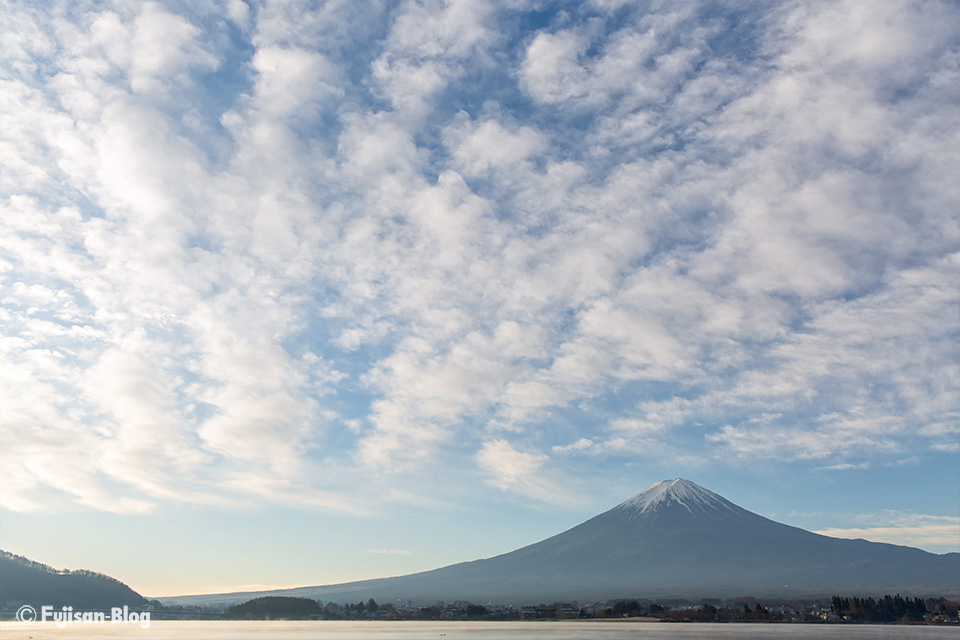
(300, 292)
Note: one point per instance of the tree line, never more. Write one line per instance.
(885, 609)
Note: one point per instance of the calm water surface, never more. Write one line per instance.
(325, 630)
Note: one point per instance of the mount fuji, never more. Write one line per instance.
(674, 539)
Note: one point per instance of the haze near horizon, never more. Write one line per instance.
(353, 289)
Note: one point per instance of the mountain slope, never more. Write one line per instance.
(27, 582)
(675, 538)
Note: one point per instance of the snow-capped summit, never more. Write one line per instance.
(683, 492)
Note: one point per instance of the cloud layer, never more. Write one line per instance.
(276, 252)
(905, 529)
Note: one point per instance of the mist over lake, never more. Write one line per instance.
(217, 630)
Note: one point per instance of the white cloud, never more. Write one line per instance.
(581, 445)
(526, 474)
(291, 80)
(941, 533)
(551, 70)
(481, 147)
(639, 66)
(652, 423)
(164, 46)
(844, 466)
(426, 49)
(506, 466)
(239, 12)
(947, 447)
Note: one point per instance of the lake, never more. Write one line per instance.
(373, 630)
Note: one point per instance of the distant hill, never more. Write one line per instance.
(674, 539)
(23, 581)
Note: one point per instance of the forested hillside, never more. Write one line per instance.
(23, 581)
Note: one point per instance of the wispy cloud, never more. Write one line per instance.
(910, 529)
(844, 466)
